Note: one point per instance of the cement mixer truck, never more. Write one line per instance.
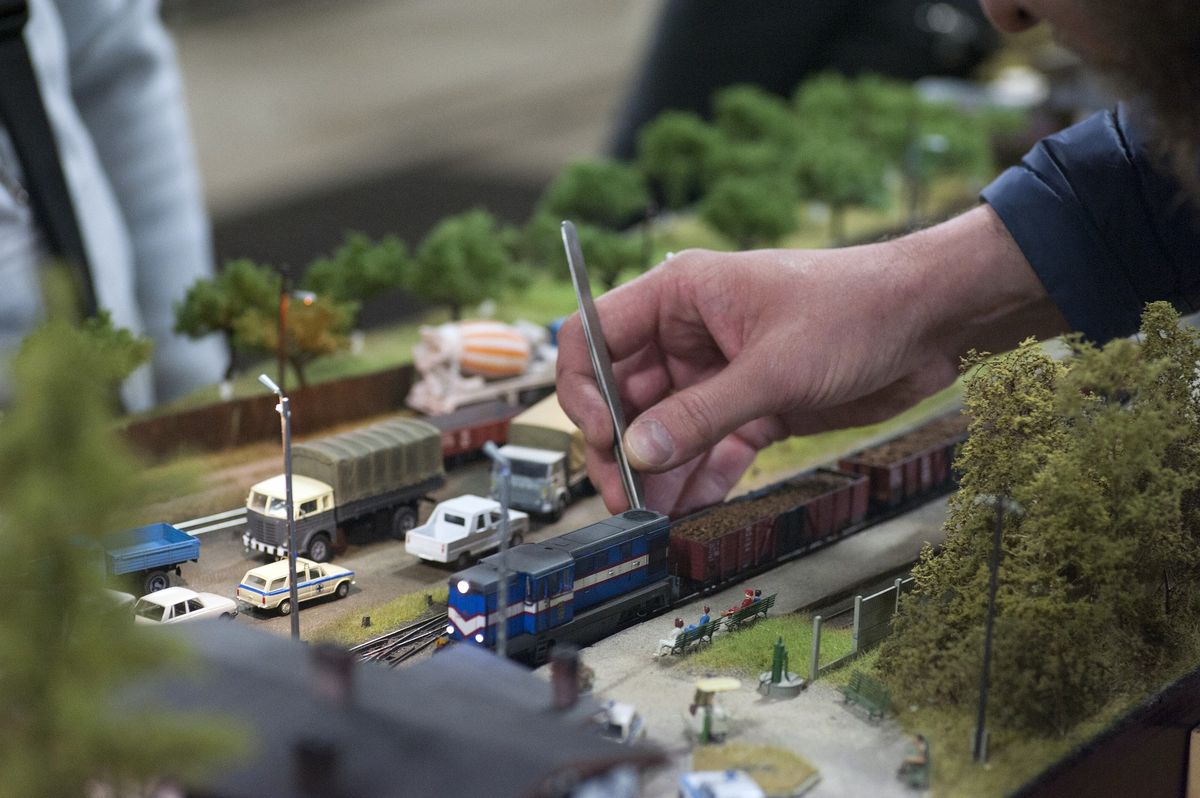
(466, 362)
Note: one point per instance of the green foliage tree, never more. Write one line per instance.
(214, 306)
(359, 269)
(68, 479)
(602, 193)
(751, 211)
(115, 345)
(1098, 574)
(608, 254)
(672, 151)
(313, 329)
(463, 261)
(751, 113)
(840, 172)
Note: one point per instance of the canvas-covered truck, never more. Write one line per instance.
(146, 556)
(370, 476)
(547, 455)
(464, 527)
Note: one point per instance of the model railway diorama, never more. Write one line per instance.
(584, 585)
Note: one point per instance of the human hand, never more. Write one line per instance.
(717, 355)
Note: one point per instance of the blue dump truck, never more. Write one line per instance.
(144, 557)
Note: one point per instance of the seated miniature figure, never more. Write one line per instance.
(746, 602)
(757, 595)
(667, 643)
(914, 770)
(705, 618)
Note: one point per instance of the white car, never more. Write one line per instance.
(266, 587)
(179, 604)
(462, 528)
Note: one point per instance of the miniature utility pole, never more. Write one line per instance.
(505, 469)
(979, 748)
(285, 287)
(285, 416)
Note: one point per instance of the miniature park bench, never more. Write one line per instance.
(749, 614)
(868, 693)
(694, 638)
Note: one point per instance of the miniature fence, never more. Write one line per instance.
(872, 623)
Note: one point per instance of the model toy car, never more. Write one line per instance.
(266, 587)
(463, 527)
(179, 604)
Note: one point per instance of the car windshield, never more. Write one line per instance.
(149, 610)
(258, 501)
(277, 508)
(451, 518)
(524, 468)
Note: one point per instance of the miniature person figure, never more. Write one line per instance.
(705, 618)
(914, 770)
(746, 602)
(667, 643)
(757, 595)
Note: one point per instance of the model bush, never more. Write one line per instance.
(1098, 576)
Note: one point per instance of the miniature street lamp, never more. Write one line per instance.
(979, 747)
(285, 416)
(504, 466)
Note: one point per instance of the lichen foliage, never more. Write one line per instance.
(64, 481)
(1099, 458)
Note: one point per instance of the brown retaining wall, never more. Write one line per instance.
(253, 419)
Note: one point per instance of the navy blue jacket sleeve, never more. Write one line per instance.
(1105, 230)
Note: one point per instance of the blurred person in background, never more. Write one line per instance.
(720, 354)
(112, 94)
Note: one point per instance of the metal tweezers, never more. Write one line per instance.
(601, 363)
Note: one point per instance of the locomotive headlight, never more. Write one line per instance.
(449, 628)
(463, 586)
(479, 637)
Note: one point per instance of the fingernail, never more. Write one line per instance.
(649, 442)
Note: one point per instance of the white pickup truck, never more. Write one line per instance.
(462, 528)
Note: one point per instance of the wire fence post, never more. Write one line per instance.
(815, 663)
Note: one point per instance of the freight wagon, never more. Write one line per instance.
(912, 465)
(719, 544)
(466, 430)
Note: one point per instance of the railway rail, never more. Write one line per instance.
(401, 644)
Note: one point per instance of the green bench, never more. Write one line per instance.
(868, 693)
(749, 614)
(694, 638)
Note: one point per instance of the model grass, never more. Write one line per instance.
(747, 652)
(775, 770)
(348, 630)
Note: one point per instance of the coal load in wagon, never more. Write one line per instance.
(915, 464)
(716, 544)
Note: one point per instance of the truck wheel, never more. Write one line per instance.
(463, 561)
(157, 580)
(404, 519)
(285, 607)
(319, 548)
(560, 507)
(343, 589)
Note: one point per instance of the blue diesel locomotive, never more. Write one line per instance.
(578, 587)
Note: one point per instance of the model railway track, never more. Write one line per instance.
(401, 644)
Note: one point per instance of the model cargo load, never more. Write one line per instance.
(149, 554)
(374, 475)
(547, 455)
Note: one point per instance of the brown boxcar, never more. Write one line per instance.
(466, 430)
(718, 544)
(911, 465)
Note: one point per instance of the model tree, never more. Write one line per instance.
(315, 327)
(67, 480)
(841, 172)
(214, 306)
(750, 211)
(606, 194)
(608, 254)
(751, 113)
(464, 261)
(671, 153)
(1097, 580)
(359, 269)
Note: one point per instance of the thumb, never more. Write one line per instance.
(688, 423)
